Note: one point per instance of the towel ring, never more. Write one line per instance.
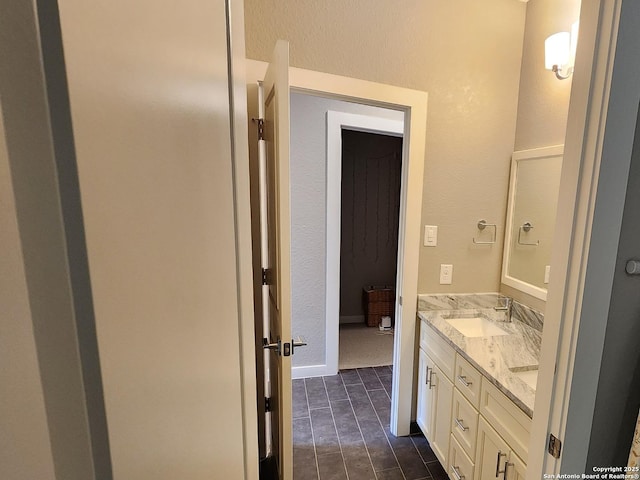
(482, 224)
(526, 227)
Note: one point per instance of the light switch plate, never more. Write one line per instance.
(547, 272)
(430, 235)
(446, 274)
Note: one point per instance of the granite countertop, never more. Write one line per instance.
(498, 358)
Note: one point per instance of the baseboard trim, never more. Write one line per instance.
(310, 371)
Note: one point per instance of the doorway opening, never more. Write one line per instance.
(317, 127)
(360, 172)
(370, 204)
(405, 109)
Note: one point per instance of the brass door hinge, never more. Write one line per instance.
(555, 446)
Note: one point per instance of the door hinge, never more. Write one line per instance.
(267, 404)
(260, 123)
(555, 446)
(266, 276)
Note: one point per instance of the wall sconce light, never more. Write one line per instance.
(560, 52)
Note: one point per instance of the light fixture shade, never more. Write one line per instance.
(557, 50)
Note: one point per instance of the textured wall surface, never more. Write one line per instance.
(544, 100)
(466, 54)
(308, 217)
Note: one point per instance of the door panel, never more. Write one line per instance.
(460, 464)
(157, 189)
(278, 263)
(443, 391)
(423, 401)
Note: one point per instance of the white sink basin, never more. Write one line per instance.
(530, 377)
(476, 327)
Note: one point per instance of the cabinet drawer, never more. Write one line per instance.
(464, 423)
(438, 349)
(467, 380)
(460, 465)
(509, 421)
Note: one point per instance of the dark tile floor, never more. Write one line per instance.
(341, 431)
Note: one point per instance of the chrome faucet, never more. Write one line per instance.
(508, 302)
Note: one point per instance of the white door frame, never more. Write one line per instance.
(414, 105)
(336, 122)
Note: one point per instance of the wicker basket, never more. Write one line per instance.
(379, 302)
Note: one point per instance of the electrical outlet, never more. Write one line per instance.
(547, 272)
(446, 274)
(430, 235)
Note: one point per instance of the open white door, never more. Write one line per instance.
(276, 252)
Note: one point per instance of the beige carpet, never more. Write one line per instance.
(362, 346)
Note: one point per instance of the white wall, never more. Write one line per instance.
(308, 217)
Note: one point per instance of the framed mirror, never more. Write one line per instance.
(531, 217)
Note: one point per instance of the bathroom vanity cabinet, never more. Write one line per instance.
(475, 430)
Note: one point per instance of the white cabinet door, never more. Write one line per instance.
(442, 391)
(460, 466)
(424, 395)
(495, 458)
(435, 394)
(492, 453)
